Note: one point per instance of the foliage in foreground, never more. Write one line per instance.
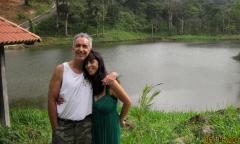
(31, 126)
(189, 127)
(28, 126)
(152, 127)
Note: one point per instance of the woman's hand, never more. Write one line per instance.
(60, 100)
(110, 78)
(123, 122)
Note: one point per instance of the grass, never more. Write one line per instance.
(203, 37)
(156, 127)
(111, 36)
(31, 126)
(189, 127)
(118, 36)
(28, 126)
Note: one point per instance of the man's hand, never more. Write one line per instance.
(110, 78)
(60, 100)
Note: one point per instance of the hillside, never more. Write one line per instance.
(16, 11)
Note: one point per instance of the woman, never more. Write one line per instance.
(105, 120)
(106, 129)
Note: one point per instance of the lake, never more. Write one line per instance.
(197, 76)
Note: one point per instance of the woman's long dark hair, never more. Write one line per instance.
(96, 79)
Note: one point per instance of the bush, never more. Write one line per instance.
(21, 16)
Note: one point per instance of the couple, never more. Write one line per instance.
(88, 96)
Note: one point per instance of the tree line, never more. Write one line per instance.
(151, 16)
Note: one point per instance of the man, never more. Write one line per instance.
(71, 121)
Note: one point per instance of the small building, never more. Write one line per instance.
(10, 34)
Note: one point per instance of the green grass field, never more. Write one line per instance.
(31, 126)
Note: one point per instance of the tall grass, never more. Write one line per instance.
(181, 127)
(28, 126)
(31, 126)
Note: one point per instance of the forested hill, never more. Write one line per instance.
(157, 16)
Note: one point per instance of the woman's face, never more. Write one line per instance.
(92, 67)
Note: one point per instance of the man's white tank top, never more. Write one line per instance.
(77, 93)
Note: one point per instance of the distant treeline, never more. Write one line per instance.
(150, 16)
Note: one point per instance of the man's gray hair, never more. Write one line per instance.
(83, 35)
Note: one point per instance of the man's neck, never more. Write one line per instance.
(76, 65)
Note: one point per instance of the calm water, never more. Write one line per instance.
(196, 76)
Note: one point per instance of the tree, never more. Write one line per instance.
(66, 16)
(26, 3)
(170, 7)
(112, 16)
(57, 18)
(234, 19)
(153, 13)
(64, 12)
(188, 15)
(92, 14)
(96, 13)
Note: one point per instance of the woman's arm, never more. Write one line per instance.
(121, 94)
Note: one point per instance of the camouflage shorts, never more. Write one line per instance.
(73, 132)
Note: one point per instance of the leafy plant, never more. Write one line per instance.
(146, 99)
(145, 102)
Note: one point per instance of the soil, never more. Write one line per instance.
(13, 10)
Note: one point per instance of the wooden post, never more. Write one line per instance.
(4, 106)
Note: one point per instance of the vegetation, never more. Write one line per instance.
(146, 100)
(190, 127)
(33, 8)
(165, 17)
(118, 36)
(31, 126)
(40, 5)
(119, 20)
(28, 125)
(19, 11)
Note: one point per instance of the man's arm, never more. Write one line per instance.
(53, 93)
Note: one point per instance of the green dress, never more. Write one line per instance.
(106, 126)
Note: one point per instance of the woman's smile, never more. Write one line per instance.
(92, 67)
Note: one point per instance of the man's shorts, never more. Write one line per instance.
(73, 132)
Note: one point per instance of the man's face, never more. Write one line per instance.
(81, 48)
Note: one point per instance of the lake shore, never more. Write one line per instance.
(31, 125)
(123, 36)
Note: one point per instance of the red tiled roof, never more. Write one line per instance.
(11, 33)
